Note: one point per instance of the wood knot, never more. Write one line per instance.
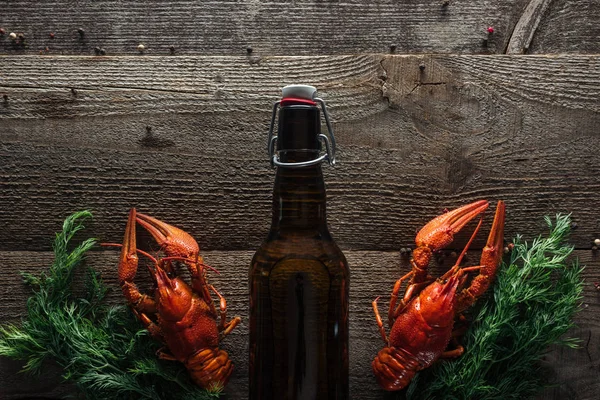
(152, 141)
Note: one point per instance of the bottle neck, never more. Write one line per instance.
(299, 193)
(299, 200)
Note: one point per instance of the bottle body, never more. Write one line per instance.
(299, 283)
(299, 320)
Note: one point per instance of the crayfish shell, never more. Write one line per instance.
(394, 368)
(210, 368)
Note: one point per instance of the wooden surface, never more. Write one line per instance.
(373, 274)
(294, 28)
(430, 112)
(411, 143)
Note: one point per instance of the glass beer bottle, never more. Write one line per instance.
(299, 277)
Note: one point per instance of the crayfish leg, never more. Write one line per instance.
(411, 291)
(455, 349)
(225, 328)
(230, 326)
(379, 321)
(222, 307)
(152, 327)
(454, 353)
(199, 283)
(163, 354)
(138, 301)
(392, 311)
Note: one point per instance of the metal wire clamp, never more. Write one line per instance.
(329, 142)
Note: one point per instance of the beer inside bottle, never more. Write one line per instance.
(299, 277)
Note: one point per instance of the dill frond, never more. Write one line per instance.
(532, 305)
(102, 348)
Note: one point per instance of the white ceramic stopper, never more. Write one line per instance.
(299, 91)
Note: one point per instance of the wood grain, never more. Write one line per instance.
(568, 26)
(184, 139)
(576, 372)
(179, 131)
(267, 27)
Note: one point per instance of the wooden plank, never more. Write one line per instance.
(568, 26)
(268, 27)
(68, 87)
(373, 274)
(411, 143)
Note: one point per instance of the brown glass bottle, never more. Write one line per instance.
(299, 279)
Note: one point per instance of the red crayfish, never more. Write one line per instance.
(182, 317)
(422, 324)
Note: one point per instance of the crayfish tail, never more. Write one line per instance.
(394, 369)
(210, 368)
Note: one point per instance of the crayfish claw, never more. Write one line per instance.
(439, 232)
(128, 262)
(174, 241)
(490, 259)
(496, 237)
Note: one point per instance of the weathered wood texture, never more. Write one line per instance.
(560, 29)
(293, 28)
(184, 138)
(181, 133)
(576, 372)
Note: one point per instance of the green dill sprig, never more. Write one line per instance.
(102, 348)
(534, 300)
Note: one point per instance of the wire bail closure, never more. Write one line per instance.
(329, 155)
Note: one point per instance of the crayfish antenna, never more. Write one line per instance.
(142, 252)
(456, 266)
(192, 261)
(464, 251)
